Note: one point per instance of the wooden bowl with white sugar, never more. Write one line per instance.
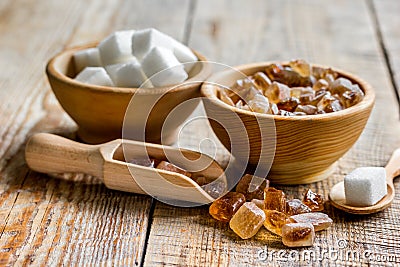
(99, 110)
(305, 148)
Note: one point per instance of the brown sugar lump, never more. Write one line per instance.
(298, 234)
(275, 199)
(295, 206)
(313, 200)
(225, 207)
(319, 220)
(275, 220)
(252, 187)
(247, 220)
(296, 89)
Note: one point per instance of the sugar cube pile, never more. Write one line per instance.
(130, 58)
(365, 186)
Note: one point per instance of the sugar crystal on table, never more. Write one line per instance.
(298, 234)
(252, 186)
(313, 200)
(274, 221)
(274, 199)
(165, 165)
(247, 220)
(259, 203)
(225, 207)
(295, 206)
(319, 220)
(365, 186)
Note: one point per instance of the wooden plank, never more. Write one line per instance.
(46, 221)
(387, 15)
(337, 33)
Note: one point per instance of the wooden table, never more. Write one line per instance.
(45, 221)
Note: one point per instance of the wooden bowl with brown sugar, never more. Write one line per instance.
(301, 149)
(99, 111)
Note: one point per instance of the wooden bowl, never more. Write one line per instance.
(99, 110)
(306, 146)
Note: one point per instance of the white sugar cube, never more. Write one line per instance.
(365, 186)
(89, 57)
(143, 41)
(116, 48)
(162, 63)
(128, 74)
(184, 55)
(94, 75)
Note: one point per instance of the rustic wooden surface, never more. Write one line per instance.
(45, 221)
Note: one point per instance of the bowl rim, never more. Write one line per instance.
(54, 72)
(366, 103)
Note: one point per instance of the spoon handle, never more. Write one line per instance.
(49, 153)
(393, 167)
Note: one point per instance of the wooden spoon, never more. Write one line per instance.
(50, 153)
(338, 199)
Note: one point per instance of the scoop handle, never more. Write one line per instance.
(393, 166)
(49, 153)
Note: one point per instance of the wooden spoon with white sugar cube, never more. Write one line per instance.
(367, 190)
(50, 153)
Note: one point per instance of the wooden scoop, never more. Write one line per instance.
(338, 199)
(50, 153)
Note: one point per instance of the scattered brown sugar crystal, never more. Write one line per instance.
(340, 85)
(259, 104)
(225, 207)
(252, 187)
(286, 75)
(261, 81)
(259, 203)
(225, 97)
(295, 206)
(319, 220)
(307, 109)
(165, 165)
(245, 89)
(298, 234)
(146, 162)
(329, 104)
(289, 104)
(313, 200)
(350, 98)
(277, 92)
(275, 220)
(275, 199)
(301, 67)
(215, 189)
(247, 220)
(280, 90)
(321, 84)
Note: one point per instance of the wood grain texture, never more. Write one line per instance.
(238, 32)
(387, 14)
(45, 221)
